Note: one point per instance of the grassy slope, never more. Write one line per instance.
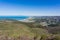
(19, 29)
(14, 29)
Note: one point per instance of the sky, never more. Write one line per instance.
(29, 7)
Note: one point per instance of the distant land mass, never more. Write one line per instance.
(29, 17)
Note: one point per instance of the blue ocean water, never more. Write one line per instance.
(14, 17)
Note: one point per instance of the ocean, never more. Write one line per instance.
(14, 17)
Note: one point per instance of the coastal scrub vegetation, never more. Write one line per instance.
(41, 30)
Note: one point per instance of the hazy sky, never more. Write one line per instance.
(30, 7)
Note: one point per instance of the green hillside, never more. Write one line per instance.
(14, 29)
(17, 30)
